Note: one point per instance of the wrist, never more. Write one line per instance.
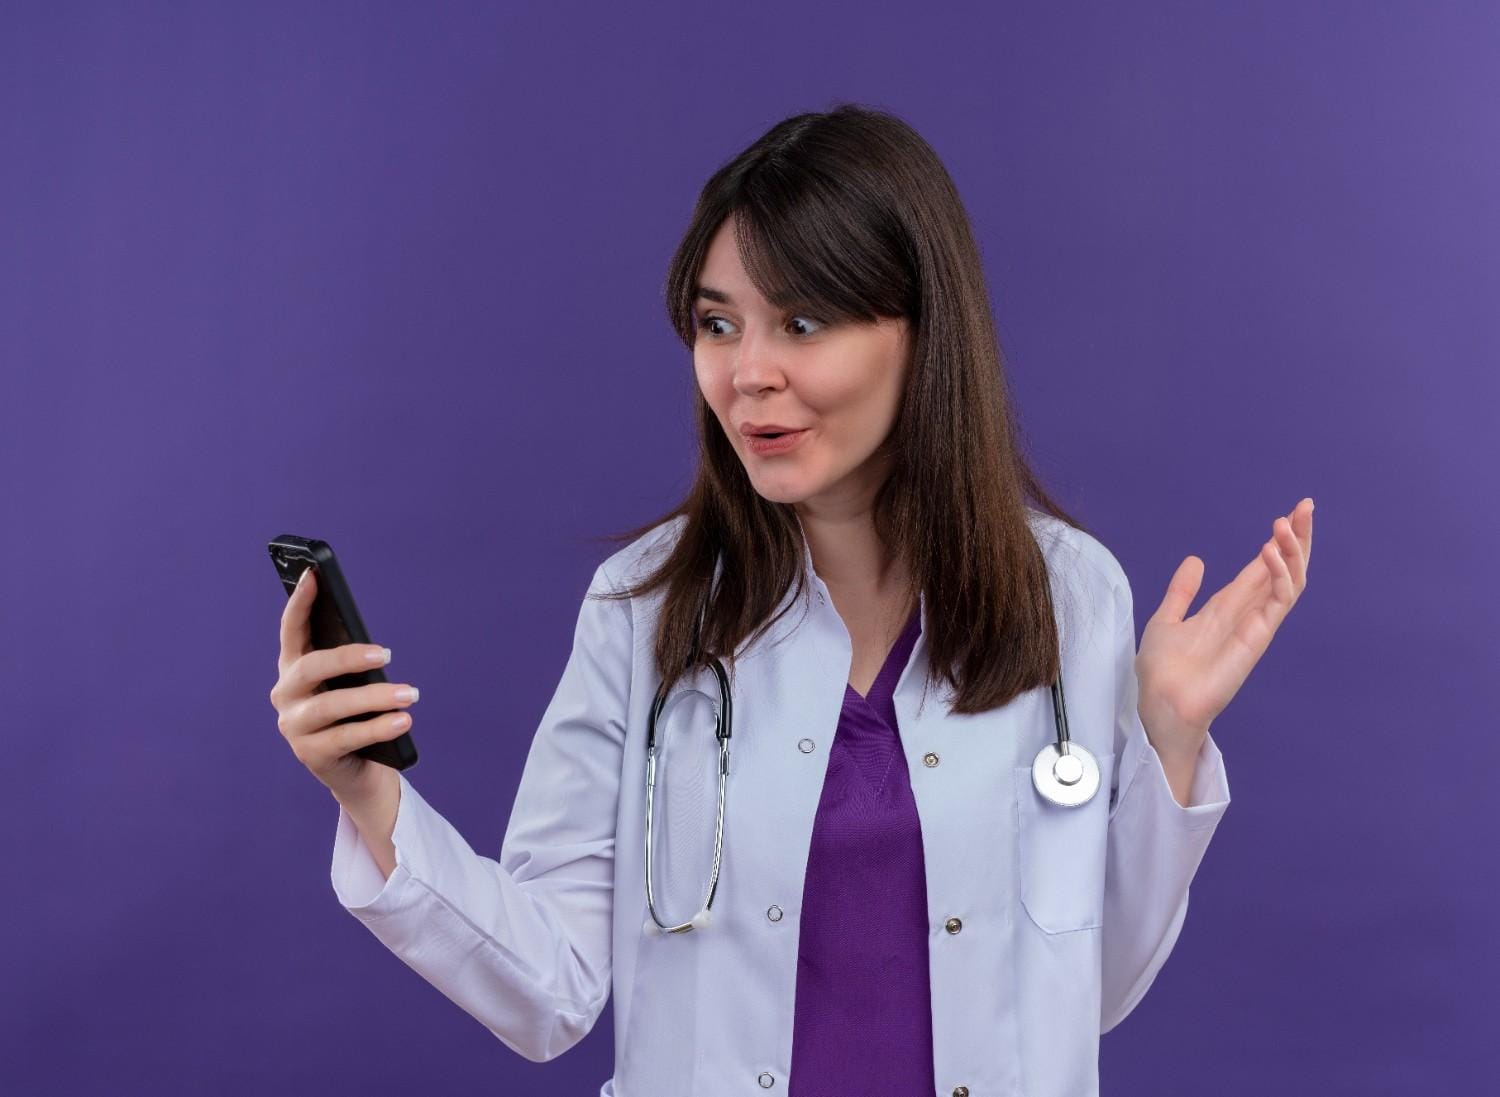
(1168, 733)
(378, 786)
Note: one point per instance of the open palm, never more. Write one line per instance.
(1191, 668)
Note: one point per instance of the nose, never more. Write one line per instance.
(756, 367)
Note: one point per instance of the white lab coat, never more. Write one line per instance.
(1065, 915)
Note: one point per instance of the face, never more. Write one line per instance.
(840, 384)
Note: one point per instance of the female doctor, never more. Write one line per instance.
(868, 592)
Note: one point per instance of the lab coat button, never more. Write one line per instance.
(960, 1091)
(805, 745)
(953, 925)
(929, 759)
(774, 913)
(766, 1081)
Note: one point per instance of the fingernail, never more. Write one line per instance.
(302, 579)
(382, 656)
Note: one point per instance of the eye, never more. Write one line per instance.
(704, 323)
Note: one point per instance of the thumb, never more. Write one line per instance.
(1181, 590)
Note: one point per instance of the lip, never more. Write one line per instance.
(748, 428)
(772, 447)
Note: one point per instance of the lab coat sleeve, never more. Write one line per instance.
(522, 943)
(1155, 844)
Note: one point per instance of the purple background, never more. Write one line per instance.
(392, 277)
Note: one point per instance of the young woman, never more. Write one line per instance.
(908, 890)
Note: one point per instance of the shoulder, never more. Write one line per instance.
(626, 566)
(1081, 563)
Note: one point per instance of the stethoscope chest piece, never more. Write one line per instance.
(1066, 779)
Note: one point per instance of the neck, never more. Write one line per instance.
(849, 556)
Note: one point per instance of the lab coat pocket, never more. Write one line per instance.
(1061, 854)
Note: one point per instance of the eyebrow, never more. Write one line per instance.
(713, 295)
(720, 296)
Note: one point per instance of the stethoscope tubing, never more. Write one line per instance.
(1064, 773)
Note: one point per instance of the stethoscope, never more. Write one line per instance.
(1064, 773)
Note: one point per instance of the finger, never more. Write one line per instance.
(1249, 604)
(381, 729)
(330, 745)
(1182, 588)
(1247, 590)
(1282, 583)
(1300, 520)
(1231, 601)
(1275, 607)
(1305, 533)
(1273, 586)
(347, 738)
(319, 712)
(296, 631)
(1291, 549)
(310, 671)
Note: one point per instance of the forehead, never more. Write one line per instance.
(772, 275)
(723, 278)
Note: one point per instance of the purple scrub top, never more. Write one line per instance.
(863, 1018)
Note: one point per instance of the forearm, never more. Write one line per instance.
(375, 819)
(1157, 837)
(525, 954)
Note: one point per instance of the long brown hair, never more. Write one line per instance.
(850, 215)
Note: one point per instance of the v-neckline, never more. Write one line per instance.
(885, 665)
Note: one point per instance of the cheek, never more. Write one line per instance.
(716, 390)
(857, 416)
(704, 378)
(852, 404)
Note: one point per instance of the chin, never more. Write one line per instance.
(781, 496)
(780, 492)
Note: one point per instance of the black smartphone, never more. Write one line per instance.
(335, 621)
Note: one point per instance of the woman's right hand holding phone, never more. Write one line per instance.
(306, 712)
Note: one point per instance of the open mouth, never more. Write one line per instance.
(775, 442)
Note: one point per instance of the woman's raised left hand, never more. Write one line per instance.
(1190, 668)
